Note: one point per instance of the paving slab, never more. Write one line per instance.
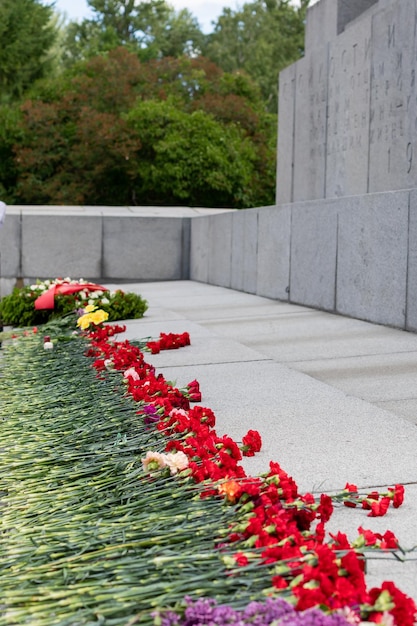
(404, 408)
(206, 349)
(374, 378)
(332, 397)
(318, 335)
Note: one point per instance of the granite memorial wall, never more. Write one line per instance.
(349, 105)
(343, 234)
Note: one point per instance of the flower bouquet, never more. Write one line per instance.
(47, 300)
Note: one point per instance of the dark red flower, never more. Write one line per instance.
(252, 443)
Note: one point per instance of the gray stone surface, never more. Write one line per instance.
(313, 254)
(10, 246)
(307, 335)
(370, 377)
(115, 211)
(219, 250)
(372, 258)
(403, 408)
(321, 25)
(360, 61)
(274, 237)
(310, 129)
(244, 250)
(199, 249)
(149, 248)
(393, 139)
(348, 111)
(55, 245)
(411, 320)
(6, 286)
(349, 10)
(286, 112)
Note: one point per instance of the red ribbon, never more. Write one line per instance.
(47, 299)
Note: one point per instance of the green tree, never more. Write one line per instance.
(190, 158)
(168, 131)
(75, 148)
(151, 28)
(27, 34)
(10, 134)
(260, 38)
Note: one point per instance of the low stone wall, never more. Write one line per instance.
(355, 255)
(99, 243)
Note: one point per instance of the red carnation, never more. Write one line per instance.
(252, 443)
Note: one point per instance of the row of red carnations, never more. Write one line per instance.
(276, 524)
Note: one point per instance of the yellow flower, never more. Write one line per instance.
(94, 317)
(90, 308)
(98, 317)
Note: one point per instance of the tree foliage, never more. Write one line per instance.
(27, 34)
(261, 38)
(190, 158)
(123, 109)
(168, 131)
(151, 29)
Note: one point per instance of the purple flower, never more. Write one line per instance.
(260, 613)
(151, 414)
(313, 617)
(206, 612)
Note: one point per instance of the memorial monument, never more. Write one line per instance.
(348, 116)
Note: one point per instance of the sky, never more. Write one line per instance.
(205, 11)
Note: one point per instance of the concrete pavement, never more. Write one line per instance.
(334, 398)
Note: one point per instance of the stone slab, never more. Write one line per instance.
(372, 258)
(411, 317)
(310, 125)
(351, 10)
(219, 250)
(321, 24)
(244, 250)
(10, 248)
(150, 327)
(204, 350)
(348, 111)
(406, 409)
(375, 378)
(307, 335)
(199, 253)
(274, 237)
(393, 138)
(56, 245)
(200, 302)
(313, 254)
(6, 286)
(116, 211)
(285, 163)
(148, 248)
